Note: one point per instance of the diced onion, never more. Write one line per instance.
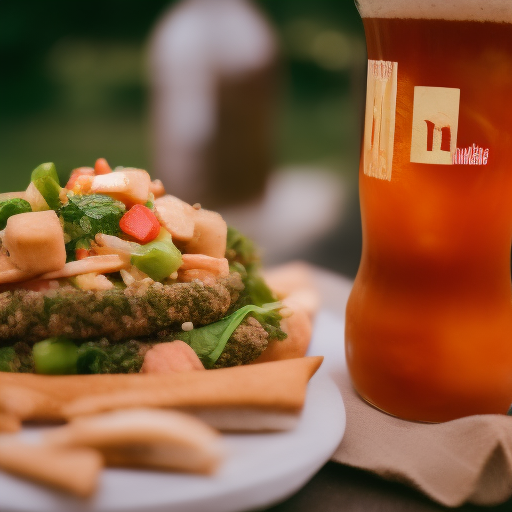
(114, 242)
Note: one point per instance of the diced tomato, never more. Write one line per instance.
(101, 167)
(80, 171)
(80, 254)
(140, 223)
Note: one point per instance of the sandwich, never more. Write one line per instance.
(97, 273)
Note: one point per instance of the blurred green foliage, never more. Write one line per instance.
(73, 85)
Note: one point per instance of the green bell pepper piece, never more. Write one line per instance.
(157, 259)
(46, 180)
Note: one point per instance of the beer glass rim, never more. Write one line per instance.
(498, 11)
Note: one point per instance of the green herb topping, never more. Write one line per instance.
(87, 215)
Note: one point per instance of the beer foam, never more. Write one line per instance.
(458, 10)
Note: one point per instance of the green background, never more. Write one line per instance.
(74, 85)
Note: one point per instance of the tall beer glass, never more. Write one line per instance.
(429, 320)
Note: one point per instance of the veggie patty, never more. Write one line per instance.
(136, 311)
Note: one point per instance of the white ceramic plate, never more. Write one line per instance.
(260, 469)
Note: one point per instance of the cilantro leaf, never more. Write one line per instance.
(87, 215)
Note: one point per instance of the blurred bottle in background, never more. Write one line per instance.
(214, 80)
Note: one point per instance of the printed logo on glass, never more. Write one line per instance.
(379, 131)
(435, 122)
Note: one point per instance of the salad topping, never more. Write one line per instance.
(120, 266)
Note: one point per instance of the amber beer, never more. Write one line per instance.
(429, 319)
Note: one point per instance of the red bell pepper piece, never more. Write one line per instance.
(101, 167)
(80, 254)
(140, 223)
(80, 171)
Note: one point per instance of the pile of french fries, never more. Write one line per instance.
(166, 422)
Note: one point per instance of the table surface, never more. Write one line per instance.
(336, 487)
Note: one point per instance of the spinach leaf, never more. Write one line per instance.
(209, 341)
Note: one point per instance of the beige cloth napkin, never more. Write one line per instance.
(466, 460)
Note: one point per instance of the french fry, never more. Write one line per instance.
(28, 403)
(298, 327)
(278, 385)
(9, 423)
(166, 440)
(71, 470)
(294, 282)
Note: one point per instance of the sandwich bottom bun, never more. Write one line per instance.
(299, 327)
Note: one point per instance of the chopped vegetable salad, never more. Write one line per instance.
(107, 232)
